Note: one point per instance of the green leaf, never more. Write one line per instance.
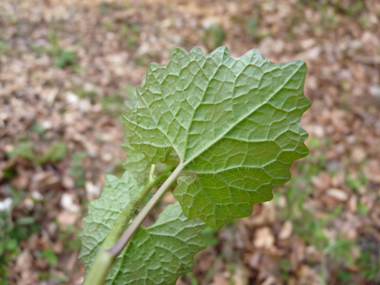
(156, 255)
(50, 256)
(160, 253)
(56, 152)
(234, 123)
(136, 163)
(103, 212)
(24, 150)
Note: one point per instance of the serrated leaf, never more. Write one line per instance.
(156, 255)
(103, 212)
(136, 163)
(234, 123)
(160, 253)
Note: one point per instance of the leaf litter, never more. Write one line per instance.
(62, 62)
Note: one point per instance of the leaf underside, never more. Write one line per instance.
(161, 253)
(155, 255)
(136, 163)
(103, 212)
(233, 122)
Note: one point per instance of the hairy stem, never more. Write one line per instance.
(133, 227)
(104, 259)
(151, 173)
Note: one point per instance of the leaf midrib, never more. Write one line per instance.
(238, 121)
(185, 162)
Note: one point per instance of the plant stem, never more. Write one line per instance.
(104, 259)
(133, 227)
(151, 173)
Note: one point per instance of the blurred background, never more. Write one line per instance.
(67, 66)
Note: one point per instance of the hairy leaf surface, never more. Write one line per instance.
(103, 212)
(156, 255)
(160, 253)
(233, 122)
(136, 163)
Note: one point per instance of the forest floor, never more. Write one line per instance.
(67, 66)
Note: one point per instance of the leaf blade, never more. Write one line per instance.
(103, 213)
(228, 119)
(155, 255)
(161, 252)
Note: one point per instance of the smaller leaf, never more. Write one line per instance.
(50, 256)
(160, 253)
(103, 212)
(136, 163)
(157, 255)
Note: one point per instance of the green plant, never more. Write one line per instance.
(69, 236)
(24, 150)
(50, 256)
(12, 231)
(76, 169)
(369, 265)
(221, 131)
(54, 153)
(65, 58)
(4, 47)
(62, 57)
(213, 37)
(112, 103)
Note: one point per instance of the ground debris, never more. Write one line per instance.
(67, 66)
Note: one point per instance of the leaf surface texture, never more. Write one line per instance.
(233, 122)
(161, 253)
(103, 212)
(155, 255)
